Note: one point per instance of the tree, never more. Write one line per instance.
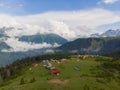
(32, 80)
(1, 80)
(22, 81)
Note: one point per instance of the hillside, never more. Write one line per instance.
(92, 45)
(96, 73)
(40, 38)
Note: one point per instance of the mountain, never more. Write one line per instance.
(91, 45)
(108, 33)
(95, 35)
(111, 33)
(40, 38)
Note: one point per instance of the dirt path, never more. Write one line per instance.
(58, 81)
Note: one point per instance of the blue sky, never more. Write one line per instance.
(38, 6)
(25, 7)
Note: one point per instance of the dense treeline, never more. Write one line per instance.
(12, 70)
(110, 68)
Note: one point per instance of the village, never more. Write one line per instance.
(78, 71)
(49, 64)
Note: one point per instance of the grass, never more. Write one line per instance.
(85, 79)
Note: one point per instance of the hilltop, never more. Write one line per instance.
(95, 73)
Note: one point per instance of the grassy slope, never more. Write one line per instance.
(85, 79)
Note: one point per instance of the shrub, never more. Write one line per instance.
(100, 81)
(22, 81)
(86, 87)
(32, 80)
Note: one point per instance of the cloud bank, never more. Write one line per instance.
(68, 24)
(17, 46)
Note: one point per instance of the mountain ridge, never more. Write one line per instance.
(40, 38)
(92, 45)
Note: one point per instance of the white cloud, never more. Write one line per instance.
(68, 24)
(17, 46)
(61, 22)
(109, 1)
(7, 21)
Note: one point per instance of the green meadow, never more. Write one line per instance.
(91, 76)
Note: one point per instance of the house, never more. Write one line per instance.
(34, 64)
(55, 71)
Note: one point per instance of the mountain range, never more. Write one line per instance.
(91, 45)
(41, 38)
(95, 44)
(108, 33)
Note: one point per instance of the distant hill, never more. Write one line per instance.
(40, 38)
(91, 45)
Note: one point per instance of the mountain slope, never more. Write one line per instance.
(92, 45)
(40, 38)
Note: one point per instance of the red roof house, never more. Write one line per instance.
(55, 71)
(34, 64)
